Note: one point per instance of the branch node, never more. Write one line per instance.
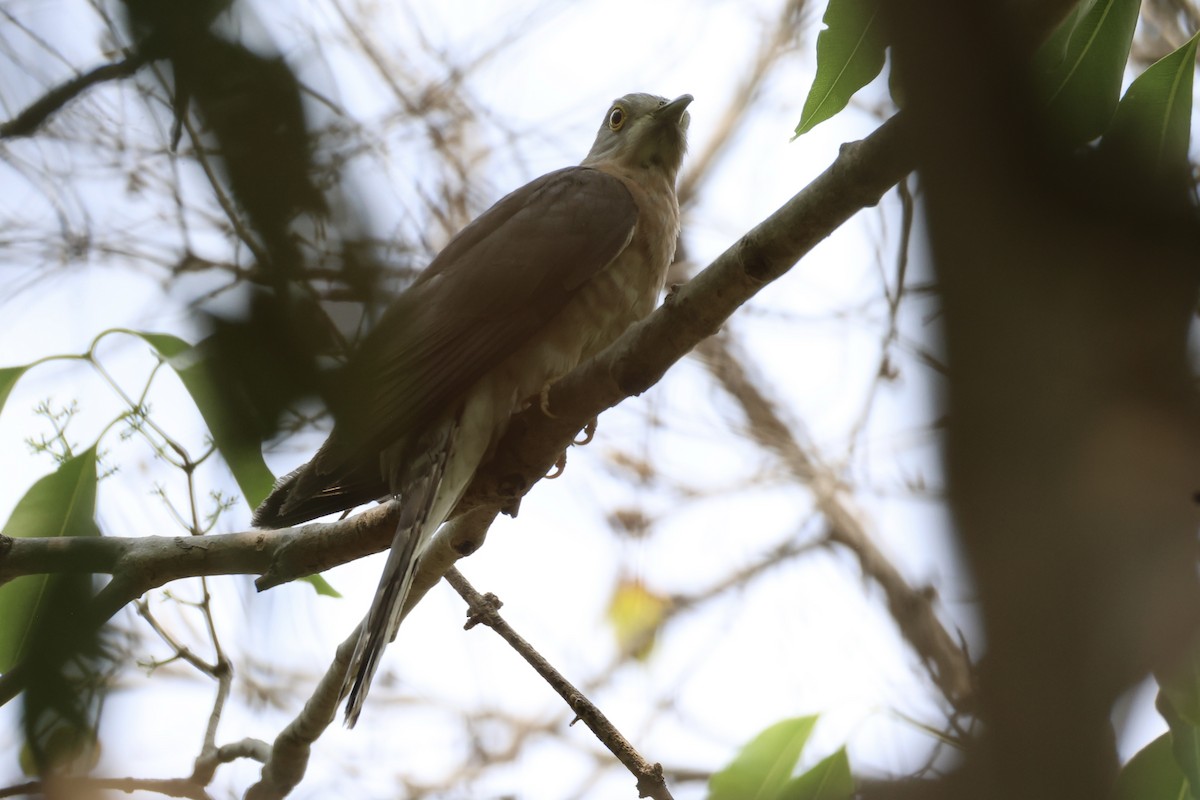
(483, 611)
(652, 782)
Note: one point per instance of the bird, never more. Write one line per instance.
(547, 277)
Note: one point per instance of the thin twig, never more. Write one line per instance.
(80, 786)
(775, 44)
(485, 609)
(181, 652)
(289, 754)
(862, 172)
(677, 604)
(912, 608)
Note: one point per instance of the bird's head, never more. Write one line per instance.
(643, 131)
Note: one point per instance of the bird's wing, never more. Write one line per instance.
(492, 288)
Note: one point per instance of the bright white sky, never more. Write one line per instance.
(807, 638)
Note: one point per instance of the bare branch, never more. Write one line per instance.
(775, 44)
(859, 176)
(79, 786)
(912, 608)
(28, 121)
(862, 172)
(206, 765)
(284, 768)
(485, 609)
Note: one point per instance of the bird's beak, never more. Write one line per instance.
(674, 110)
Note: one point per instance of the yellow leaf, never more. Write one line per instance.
(636, 614)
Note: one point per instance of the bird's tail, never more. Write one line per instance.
(420, 517)
(307, 493)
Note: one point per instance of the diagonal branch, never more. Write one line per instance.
(779, 41)
(285, 766)
(911, 607)
(28, 121)
(858, 177)
(485, 609)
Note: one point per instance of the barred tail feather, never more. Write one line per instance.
(304, 494)
(379, 627)
(420, 517)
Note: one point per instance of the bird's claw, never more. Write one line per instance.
(589, 433)
(560, 466)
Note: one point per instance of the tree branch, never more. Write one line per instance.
(911, 608)
(28, 121)
(858, 177)
(71, 786)
(485, 609)
(284, 768)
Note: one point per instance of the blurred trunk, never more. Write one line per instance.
(1073, 450)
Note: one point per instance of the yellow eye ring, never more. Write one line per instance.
(616, 118)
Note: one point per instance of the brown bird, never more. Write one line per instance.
(547, 277)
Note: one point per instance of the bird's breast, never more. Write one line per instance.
(602, 309)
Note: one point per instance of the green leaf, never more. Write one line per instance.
(8, 379)
(1152, 774)
(168, 346)
(1081, 65)
(322, 586)
(1054, 49)
(1180, 685)
(62, 503)
(1185, 746)
(763, 766)
(1179, 703)
(1185, 741)
(1153, 123)
(830, 779)
(850, 53)
(243, 456)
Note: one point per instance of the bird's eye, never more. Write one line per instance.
(616, 118)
